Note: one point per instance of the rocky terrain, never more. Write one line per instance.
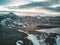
(10, 34)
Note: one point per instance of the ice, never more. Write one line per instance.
(58, 40)
(19, 42)
(33, 39)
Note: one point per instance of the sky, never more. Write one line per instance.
(46, 6)
(19, 2)
(13, 2)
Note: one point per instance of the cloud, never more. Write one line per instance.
(13, 2)
(57, 9)
(51, 7)
(39, 0)
(34, 4)
(2, 8)
(19, 2)
(4, 2)
(31, 11)
(54, 6)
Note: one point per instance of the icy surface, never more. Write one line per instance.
(58, 40)
(33, 39)
(19, 42)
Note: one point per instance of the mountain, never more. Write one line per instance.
(9, 15)
(7, 20)
(9, 36)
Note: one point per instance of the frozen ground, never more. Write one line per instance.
(41, 41)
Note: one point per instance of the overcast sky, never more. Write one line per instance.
(50, 5)
(11, 2)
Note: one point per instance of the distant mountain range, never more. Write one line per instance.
(6, 20)
(12, 19)
(10, 15)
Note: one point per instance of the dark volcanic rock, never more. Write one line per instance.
(10, 36)
(10, 15)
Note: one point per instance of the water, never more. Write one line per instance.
(50, 30)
